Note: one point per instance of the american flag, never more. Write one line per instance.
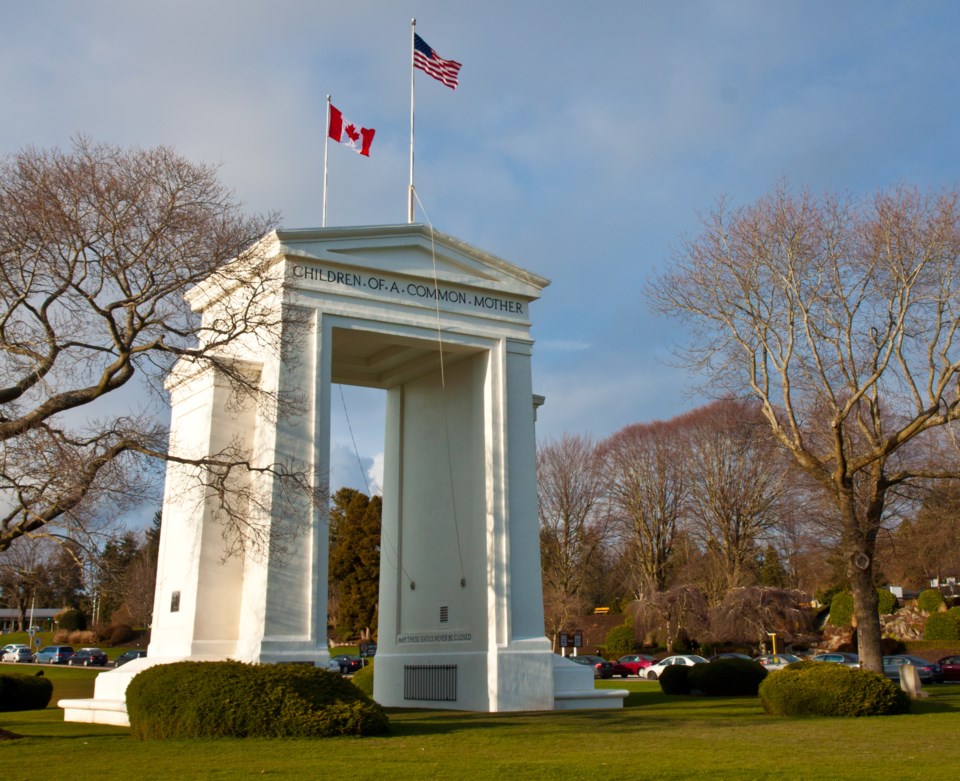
(427, 60)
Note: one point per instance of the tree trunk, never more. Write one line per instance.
(865, 602)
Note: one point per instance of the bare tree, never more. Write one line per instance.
(25, 575)
(841, 318)
(927, 546)
(98, 246)
(572, 525)
(682, 610)
(751, 614)
(646, 473)
(738, 485)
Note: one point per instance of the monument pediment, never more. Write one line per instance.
(410, 252)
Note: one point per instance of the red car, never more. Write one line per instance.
(635, 662)
(951, 668)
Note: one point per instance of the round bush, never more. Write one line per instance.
(71, 620)
(841, 609)
(120, 634)
(363, 679)
(930, 600)
(942, 626)
(621, 641)
(675, 679)
(24, 692)
(887, 603)
(230, 699)
(727, 678)
(821, 689)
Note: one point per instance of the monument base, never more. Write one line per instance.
(109, 702)
(574, 688)
(424, 682)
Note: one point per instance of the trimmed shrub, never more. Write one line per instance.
(942, 626)
(363, 679)
(930, 600)
(887, 602)
(727, 678)
(70, 620)
(24, 692)
(621, 641)
(841, 609)
(116, 634)
(675, 679)
(231, 699)
(819, 689)
(77, 637)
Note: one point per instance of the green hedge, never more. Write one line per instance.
(887, 603)
(942, 626)
(71, 620)
(819, 689)
(727, 678)
(930, 600)
(363, 679)
(24, 692)
(230, 699)
(675, 679)
(841, 609)
(620, 641)
(841, 606)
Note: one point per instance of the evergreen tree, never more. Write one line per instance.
(355, 558)
(772, 572)
(111, 569)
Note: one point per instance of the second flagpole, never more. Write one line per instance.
(413, 30)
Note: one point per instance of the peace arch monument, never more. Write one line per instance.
(444, 329)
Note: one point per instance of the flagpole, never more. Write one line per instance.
(326, 147)
(413, 31)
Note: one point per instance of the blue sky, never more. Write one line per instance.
(582, 143)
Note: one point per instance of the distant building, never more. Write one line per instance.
(42, 618)
(902, 593)
(949, 585)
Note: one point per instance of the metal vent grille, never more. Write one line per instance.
(444, 614)
(431, 682)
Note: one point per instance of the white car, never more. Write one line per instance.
(654, 671)
(16, 652)
(777, 661)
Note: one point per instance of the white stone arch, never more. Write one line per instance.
(444, 329)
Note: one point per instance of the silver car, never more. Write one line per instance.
(20, 653)
(847, 660)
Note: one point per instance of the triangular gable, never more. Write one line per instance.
(413, 251)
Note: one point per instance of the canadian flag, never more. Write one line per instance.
(346, 132)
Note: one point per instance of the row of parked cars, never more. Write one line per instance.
(65, 654)
(651, 668)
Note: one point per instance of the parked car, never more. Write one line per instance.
(777, 661)
(11, 649)
(636, 663)
(950, 667)
(601, 667)
(929, 672)
(846, 659)
(87, 657)
(54, 654)
(20, 653)
(654, 671)
(618, 669)
(345, 663)
(129, 656)
(731, 655)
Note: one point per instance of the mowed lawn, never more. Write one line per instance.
(654, 737)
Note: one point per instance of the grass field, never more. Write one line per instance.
(654, 737)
